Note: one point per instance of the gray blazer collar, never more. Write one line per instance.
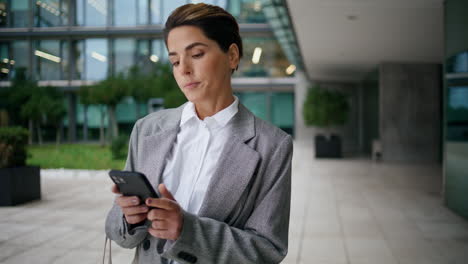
(243, 123)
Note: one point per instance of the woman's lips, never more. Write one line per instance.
(191, 85)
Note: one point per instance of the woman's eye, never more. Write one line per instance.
(175, 63)
(199, 55)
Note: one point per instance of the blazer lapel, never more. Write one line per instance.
(234, 170)
(156, 147)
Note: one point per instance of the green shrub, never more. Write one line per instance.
(119, 147)
(325, 108)
(13, 142)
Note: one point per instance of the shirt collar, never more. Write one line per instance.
(222, 117)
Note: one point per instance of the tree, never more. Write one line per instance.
(86, 99)
(110, 92)
(16, 96)
(54, 109)
(45, 106)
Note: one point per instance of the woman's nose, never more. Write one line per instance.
(185, 67)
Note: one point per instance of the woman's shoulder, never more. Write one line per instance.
(164, 118)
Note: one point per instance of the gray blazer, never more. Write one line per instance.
(245, 215)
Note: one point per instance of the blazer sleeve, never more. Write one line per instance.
(264, 238)
(117, 228)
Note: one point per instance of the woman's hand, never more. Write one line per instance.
(132, 209)
(165, 215)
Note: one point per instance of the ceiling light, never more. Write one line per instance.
(257, 6)
(5, 60)
(256, 55)
(291, 69)
(5, 70)
(12, 62)
(98, 56)
(47, 56)
(154, 58)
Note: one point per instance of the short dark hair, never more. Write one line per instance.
(216, 23)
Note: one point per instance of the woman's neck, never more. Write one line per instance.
(206, 109)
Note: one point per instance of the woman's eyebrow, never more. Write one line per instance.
(191, 46)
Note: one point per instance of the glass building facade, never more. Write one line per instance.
(72, 43)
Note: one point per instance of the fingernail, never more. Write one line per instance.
(135, 201)
(149, 200)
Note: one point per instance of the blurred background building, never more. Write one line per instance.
(69, 44)
(403, 65)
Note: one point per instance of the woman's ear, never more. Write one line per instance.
(233, 54)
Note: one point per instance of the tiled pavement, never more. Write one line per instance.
(343, 211)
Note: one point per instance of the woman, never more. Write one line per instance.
(223, 174)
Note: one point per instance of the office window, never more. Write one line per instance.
(124, 55)
(124, 12)
(20, 56)
(5, 63)
(170, 5)
(78, 50)
(158, 51)
(96, 65)
(155, 12)
(144, 58)
(3, 13)
(282, 110)
(142, 12)
(50, 13)
(19, 16)
(91, 12)
(256, 102)
(245, 11)
(263, 57)
(51, 60)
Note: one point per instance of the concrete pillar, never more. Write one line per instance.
(410, 111)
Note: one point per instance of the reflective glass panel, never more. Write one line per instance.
(457, 113)
(246, 11)
(125, 12)
(263, 57)
(64, 49)
(3, 13)
(142, 12)
(124, 54)
(158, 51)
(20, 55)
(5, 66)
(91, 12)
(48, 60)
(144, 58)
(168, 6)
(19, 13)
(78, 55)
(155, 12)
(96, 59)
(50, 13)
(282, 110)
(256, 102)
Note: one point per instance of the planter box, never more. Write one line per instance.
(19, 185)
(327, 147)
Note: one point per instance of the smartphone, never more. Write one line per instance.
(132, 183)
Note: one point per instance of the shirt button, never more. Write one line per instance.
(146, 244)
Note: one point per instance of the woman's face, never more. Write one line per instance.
(202, 70)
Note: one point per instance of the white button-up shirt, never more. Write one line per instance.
(193, 158)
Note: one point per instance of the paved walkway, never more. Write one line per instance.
(343, 211)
